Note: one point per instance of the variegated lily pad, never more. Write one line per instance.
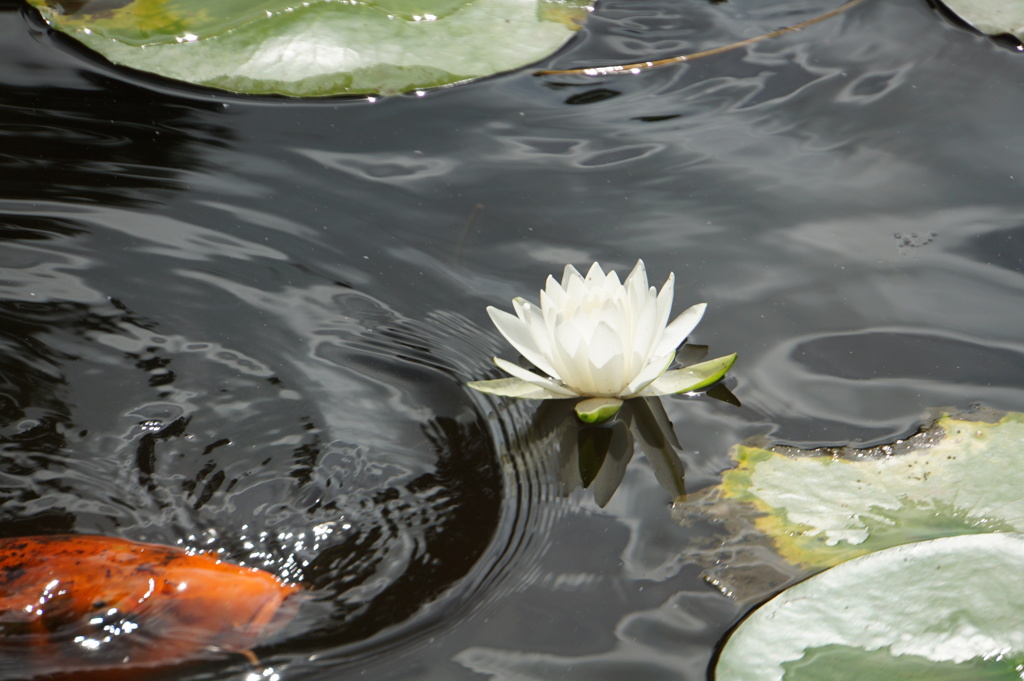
(319, 47)
(946, 609)
(958, 477)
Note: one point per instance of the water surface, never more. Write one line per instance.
(246, 324)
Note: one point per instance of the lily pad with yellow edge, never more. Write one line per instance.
(817, 508)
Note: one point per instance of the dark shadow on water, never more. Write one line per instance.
(105, 142)
(383, 530)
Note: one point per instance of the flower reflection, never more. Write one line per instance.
(595, 456)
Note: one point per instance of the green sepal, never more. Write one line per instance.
(693, 377)
(597, 409)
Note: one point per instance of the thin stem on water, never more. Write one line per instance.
(645, 65)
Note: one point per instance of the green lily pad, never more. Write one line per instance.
(957, 477)
(994, 17)
(319, 47)
(946, 609)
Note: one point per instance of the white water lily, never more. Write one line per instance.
(597, 337)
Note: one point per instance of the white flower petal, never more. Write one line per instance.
(664, 301)
(607, 361)
(645, 331)
(533, 317)
(515, 387)
(638, 277)
(569, 274)
(553, 320)
(554, 292)
(570, 353)
(681, 327)
(513, 328)
(612, 285)
(530, 377)
(519, 334)
(575, 290)
(567, 336)
(637, 296)
(520, 305)
(655, 367)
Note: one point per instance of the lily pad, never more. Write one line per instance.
(994, 17)
(818, 508)
(319, 47)
(945, 609)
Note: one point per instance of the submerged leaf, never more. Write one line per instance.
(320, 47)
(946, 609)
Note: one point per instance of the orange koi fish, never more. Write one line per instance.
(89, 607)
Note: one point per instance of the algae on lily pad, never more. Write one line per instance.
(941, 610)
(994, 17)
(819, 508)
(319, 47)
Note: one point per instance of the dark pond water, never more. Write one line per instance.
(246, 324)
